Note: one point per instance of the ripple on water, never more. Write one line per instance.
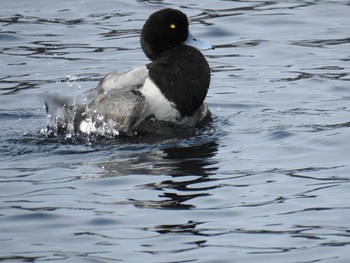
(266, 180)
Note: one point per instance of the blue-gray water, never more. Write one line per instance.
(266, 181)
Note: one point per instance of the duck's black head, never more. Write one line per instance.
(165, 29)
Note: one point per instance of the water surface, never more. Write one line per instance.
(267, 180)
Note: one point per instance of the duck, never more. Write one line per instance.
(171, 88)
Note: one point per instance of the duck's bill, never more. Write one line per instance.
(197, 43)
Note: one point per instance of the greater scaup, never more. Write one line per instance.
(171, 88)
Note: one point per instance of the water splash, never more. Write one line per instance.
(71, 80)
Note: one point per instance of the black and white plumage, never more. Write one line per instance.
(171, 88)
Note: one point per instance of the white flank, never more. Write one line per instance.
(157, 104)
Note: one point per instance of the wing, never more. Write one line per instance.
(113, 112)
(115, 80)
(115, 106)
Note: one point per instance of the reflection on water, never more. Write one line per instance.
(189, 166)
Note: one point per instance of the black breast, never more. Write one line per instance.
(183, 75)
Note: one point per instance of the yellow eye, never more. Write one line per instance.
(172, 25)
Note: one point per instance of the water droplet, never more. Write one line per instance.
(115, 132)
